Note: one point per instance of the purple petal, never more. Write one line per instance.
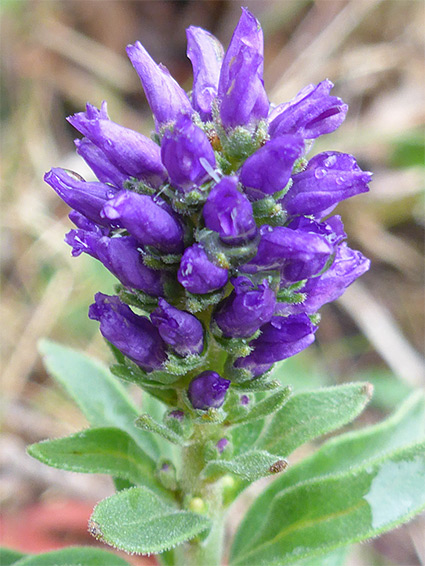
(198, 274)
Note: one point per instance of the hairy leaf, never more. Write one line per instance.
(322, 514)
(250, 466)
(340, 454)
(137, 520)
(101, 398)
(99, 450)
(73, 556)
(263, 408)
(311, 414)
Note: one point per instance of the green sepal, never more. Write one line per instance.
(137, 186)
(183, 428)
(272, 403)
(238, 145)
(196, 303)
(146, 422)
(159, 263)
(268, 208)
(138, 299)
(259, 384)
(137, 520)
(237, 347)
(178, 366)
(223, 255)
(250, 466)
(167, 474)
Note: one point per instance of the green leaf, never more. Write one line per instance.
(101, 398)
(336, 557)
(73, 556)
(9, 556)
(266, 406)
(245, 436)
(146, 422)
(322, 514)
(250, 466)
(340, 454)
(102, 451)
(129, 374)
(137, 520)
(310, 414)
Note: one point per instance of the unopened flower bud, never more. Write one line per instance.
(147, 219)
(180, 329)
(207, 390)
(198, 274)
(135, 336)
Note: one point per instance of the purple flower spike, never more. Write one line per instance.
(246, 309)
(221, 445)
(329, 178)
(332, 229)
(269, 169)
(183, 150)
(130, 152)
(135, 336)
(181, 330)
(166, 98)
(281, 338)
(296, 253)
(198, 274)
(207, 390)
(312, 113)
(147, 219)
(206, 55)
(120, 256)
(104, 170)
(86, 198)
(229, 212)
(241, 88)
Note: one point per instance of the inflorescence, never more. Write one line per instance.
(218, 227)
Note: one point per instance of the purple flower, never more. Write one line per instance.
(332, 229)
(198, 274)
(166, 98)
(147, 219)
(229, 212)
(127, 150)
(104, 170)
(222, 444)
(121, 256)
(135, 336)
(312, 113)
(297, 254)
(181, 330)
(281, 338)
(86, 198)
(347, 266)
(183, 151)
(241, 92)
(269, 169)
(246, 309)
(207, 390)
(206, 55)
(329, 178)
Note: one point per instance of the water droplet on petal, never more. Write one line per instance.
(110, 194)
(320, 173)
(340, 180)
(330, 161)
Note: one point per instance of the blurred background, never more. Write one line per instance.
(59, 54)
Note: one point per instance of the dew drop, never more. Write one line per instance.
(340, 180)
(320, 173)
(330, 161)
(110, 194)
